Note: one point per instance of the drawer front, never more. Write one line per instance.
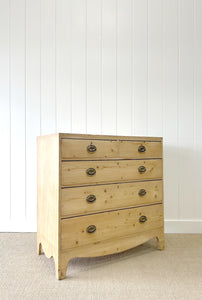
(91, 199)
(94, 172)
(81, 231)
(140, 150)
(94, 149)
(88, 149)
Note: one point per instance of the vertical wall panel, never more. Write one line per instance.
(79, 66)
(48, 101)
(101, 66)
(186, 108)
(109, 58)
(124, 62)
(170, 94)
(17, 90)
(4, 110)
(63, 65)
(155, 67)
(140, 67)
(198, 106)
(93, 65)
(32, 103)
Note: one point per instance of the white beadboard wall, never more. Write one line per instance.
(127, 67)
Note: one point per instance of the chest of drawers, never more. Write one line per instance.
(97, 195)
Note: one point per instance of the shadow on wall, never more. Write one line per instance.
(182, 181)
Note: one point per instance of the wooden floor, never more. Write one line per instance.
(139, 273)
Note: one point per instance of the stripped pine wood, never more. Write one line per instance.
(110, 196)
(74, 173)
(77, 149)
(109, 137)
(48, 196)
(110, 246)
(109, 225)
(96, 216)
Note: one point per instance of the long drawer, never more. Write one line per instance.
(72, 149)
(91, 199)
(89, 229)
(75, 173)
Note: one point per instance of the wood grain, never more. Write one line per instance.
(109, 247)
(63, 214)
(109, 137)
(77, 149)
(108, 197)
(129, 149)
(74, 173)
(109, 225)
(48, 195)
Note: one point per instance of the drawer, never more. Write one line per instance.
(140, 150)
(75, 173)
(91, 199)
(88, 149)
(92, 229)
(93, 149)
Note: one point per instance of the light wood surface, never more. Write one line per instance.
(48, 195)
(77, 149)
(110, 246)
(109, 225)
(109, 137)
(74, 173)
(108, 149)
(111, 196)
(129, 150)
(63, 186)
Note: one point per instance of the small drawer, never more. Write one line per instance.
(91, 199)
(91, 229)
(88, 149)
(72, 149)
(140, 150)
(75, 173)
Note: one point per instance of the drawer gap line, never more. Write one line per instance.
(106, 211)
(122, 182)
(113, 140)
(115, 159)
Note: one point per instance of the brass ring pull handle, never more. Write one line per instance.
(91, 148)
(90, 171)
(90, 198)
(142, 219)
(141, 148)
(91, 228)
(142, 169)
(142, 192)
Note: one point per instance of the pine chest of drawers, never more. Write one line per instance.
(97, 195)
